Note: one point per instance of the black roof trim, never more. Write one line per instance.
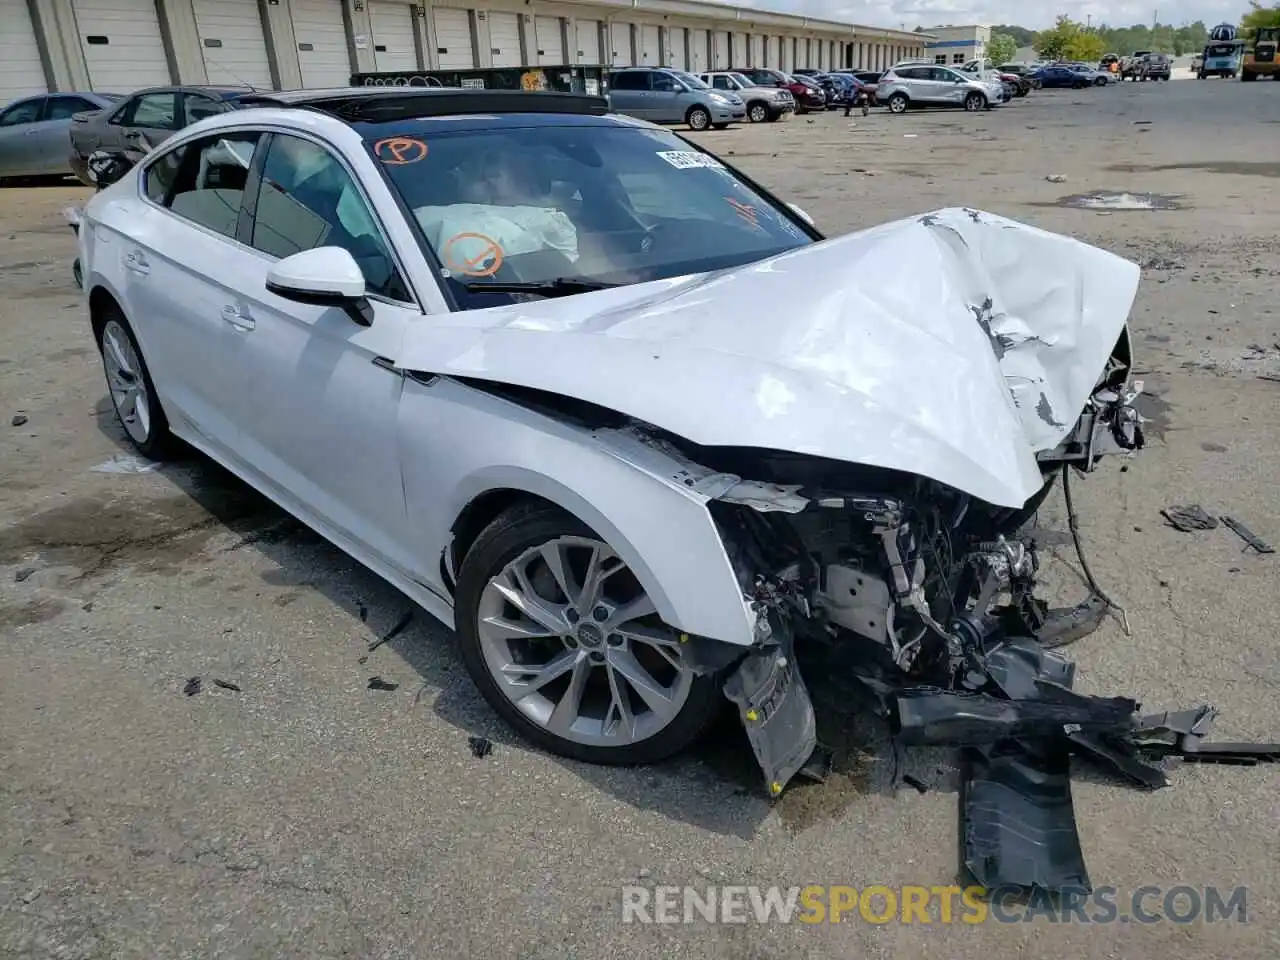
(372, 105)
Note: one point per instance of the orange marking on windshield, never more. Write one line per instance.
(398, 151)
(473, 266)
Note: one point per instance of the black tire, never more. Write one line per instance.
(159, 443)
(1021, 92)
(698, 118)
(974, 102)
(510, 534)
(758, 111)
(899, 102)
(1100, 82)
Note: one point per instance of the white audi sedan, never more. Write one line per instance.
(600, 402)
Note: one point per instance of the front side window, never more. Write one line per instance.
(63, 108)
(591, 204)
(26, 112)
(208, 187)
(665, 83)
(160, 176)
(157, 111)
(309, 200)
(198, 107)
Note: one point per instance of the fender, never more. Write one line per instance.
(461, 442)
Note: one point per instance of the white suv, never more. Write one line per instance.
(936, 86)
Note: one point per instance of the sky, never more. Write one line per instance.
(1032, 14)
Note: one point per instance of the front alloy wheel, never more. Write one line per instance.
(567, 646)
(758, 113)
(698, 118)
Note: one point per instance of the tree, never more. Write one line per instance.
(1052, 43)
(1258, 16)
(1086, 47)
(1002, 48)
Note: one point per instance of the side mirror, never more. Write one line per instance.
(800, 212)
(323, 277)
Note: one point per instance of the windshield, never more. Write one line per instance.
(695, 83)
(606, 205)
(741, 80)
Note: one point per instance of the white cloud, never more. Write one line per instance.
(1033, 14)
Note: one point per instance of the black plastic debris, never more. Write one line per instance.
(1017, 823)
(23, 573)
(481, 747)
(192, 687)
(377, 683)
(400, 626)
(1251, 539)
(226, 685)
(1189, 518)
(913, 781)
(18, 420)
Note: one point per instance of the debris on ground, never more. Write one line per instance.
(31, 895)
(1161, 263)
(481, 747)
(377, 683)
(400, 626)
(1056, 178)
(126, 463)
(23, 573)
(1248, 536)
(912, 781)
(226, 685)
(18, 420)
(192, 687)
(1189, 518)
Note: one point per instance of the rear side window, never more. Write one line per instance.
(156, 110)
(210, 182)
(630, 80)
(199, 107)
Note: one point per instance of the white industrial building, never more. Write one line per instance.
(958, 44)
(122, 45)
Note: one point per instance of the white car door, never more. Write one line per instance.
(182, 269)
(322, 432)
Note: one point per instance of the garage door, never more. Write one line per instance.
(738, 50)
(550, 38)
(453, 39)
(322, 43)
(720, 51)
(20, 70)
(698, 62)
(232, 42)
(675, 48)
(620, 44)
(393, 46)
(504, 39)
(757, 50)
(650, 53)
(121, 44)
(587, 33)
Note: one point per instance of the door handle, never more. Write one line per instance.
(233, 316)
(137, 263)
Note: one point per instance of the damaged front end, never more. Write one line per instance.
(920, 601)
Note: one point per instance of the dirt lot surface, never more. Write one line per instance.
(308, 816)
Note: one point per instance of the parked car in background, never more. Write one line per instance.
(1099, 78)
(808, 96)
(33, 132)
(157, 112)
(845, 90)
(1055, 76)
(673, 96)
(1159, 67)
(1134, 66)
(934, 86)
(870, 80)
(764, 104)
(1022, 71)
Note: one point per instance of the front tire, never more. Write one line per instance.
(566, 646)
(133, 394)
(898, 103)
(757, 113)
(974, 102)
(698, 118)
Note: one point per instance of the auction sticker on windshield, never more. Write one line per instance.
(690, 159)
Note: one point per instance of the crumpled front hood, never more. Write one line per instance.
(953, 345)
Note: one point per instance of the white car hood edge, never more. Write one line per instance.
(953, 345)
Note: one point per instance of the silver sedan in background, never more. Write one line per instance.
(34, 132)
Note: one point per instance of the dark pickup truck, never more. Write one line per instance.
(1159, 67)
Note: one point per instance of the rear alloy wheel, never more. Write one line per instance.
(757, 113)
(567, 647)
(974, 102)
(898, 103)
(133, 395)
(698, 118)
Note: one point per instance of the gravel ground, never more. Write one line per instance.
(305, 815)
